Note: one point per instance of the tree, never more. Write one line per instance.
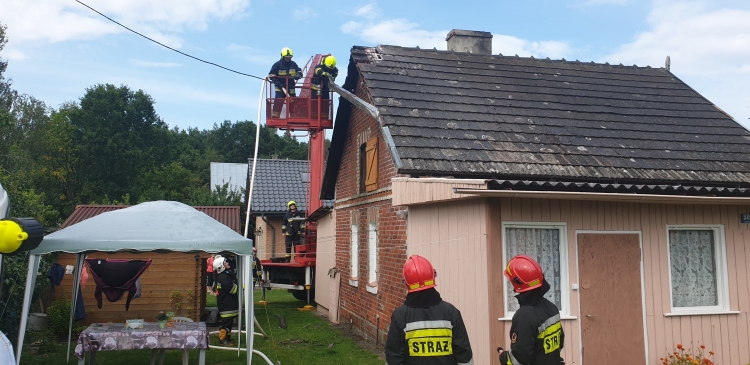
(7, 95)
(234, 142)
(120, 137)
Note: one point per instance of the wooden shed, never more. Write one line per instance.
(171, 278)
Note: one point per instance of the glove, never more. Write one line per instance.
(326, 74)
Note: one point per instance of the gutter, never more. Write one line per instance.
(372, 111)
(617, 197)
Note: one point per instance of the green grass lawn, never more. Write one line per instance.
(308, 340)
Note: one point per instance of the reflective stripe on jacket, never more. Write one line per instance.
(536, 336)
(227, 300)
(434, 335)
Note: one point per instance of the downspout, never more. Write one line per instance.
(372, 111)
(273, 235)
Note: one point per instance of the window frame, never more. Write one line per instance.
(372, 257)
(562, 227)
(354, 254)
(722, 274)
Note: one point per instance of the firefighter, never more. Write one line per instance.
(227, 300)
(323, 71)
(536, 335)
(284, 74)
(292, 229)
(426, 329)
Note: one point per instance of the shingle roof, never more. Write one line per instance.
(465, 114)
(276, 183)
(227, 215)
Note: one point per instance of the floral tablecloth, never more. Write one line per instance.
(116, 336)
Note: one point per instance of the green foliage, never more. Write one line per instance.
(14, 282)
(58, 314)
(44, 342)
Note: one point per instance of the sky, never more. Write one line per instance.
(59, 48)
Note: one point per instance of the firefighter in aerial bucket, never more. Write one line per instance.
(426, 329)
(324, 73)
(536, 334)
(292, 227)
(284, 75)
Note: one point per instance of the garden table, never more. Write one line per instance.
(117, 337)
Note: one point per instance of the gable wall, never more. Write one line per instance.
(370, 313)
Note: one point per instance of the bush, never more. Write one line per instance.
(685, 356)
(44, 342)
(58, 314)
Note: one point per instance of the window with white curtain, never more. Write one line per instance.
(546, 244)
(697, 269)
(354, 254)
(372, 264)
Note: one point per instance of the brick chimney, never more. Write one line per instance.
(470, 41)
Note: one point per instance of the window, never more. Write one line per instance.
(546, 244)
(368, 165)
(372, 264)
(697, 269)
(354, 254)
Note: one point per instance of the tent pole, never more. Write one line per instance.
(76, 285)
(30, 282)
(240, 296)
(249, 312)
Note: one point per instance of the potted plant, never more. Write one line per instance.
(162, 318)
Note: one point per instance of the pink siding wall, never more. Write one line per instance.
(326, 259)
(726, 334)
(452, 236)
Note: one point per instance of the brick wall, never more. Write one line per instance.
(370, 313)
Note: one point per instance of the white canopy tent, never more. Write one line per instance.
(160, 226)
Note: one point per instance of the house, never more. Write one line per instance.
(629, 187)
(276, 183)
(171, 272)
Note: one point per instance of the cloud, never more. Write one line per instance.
(369, 11)
(142, 63)
(401, 32)
(510, 46)
(14, 54)
(708, 46)
(62, 20)
(304, 13)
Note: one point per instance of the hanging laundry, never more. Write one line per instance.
(55, 275)
(84, 277)
(114, 277)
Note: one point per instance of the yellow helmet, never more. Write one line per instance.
(290, 203)
(286, 52)
(330, 61)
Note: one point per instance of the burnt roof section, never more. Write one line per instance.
(494, 116)
(227, 215)
(276, 183)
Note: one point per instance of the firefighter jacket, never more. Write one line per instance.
(427, 331)
(291, 227)
(319, 81)
(285, 74)
(227, 300)
(536, 334)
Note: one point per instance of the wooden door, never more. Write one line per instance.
(609, 267)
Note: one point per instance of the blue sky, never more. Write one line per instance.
(58, 48)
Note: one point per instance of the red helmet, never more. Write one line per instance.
(419, 274)
(524, 273)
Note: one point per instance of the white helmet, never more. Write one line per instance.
(219, 264)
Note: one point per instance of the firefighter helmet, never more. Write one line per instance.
(524, 273)
(291, 202)
(419, 274)
(329, 61)
(286, 52)
(219, 264)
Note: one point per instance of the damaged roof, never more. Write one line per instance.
(472, 115)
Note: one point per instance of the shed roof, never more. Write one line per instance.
(276, 183)
(229, 216)
(494, 116)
